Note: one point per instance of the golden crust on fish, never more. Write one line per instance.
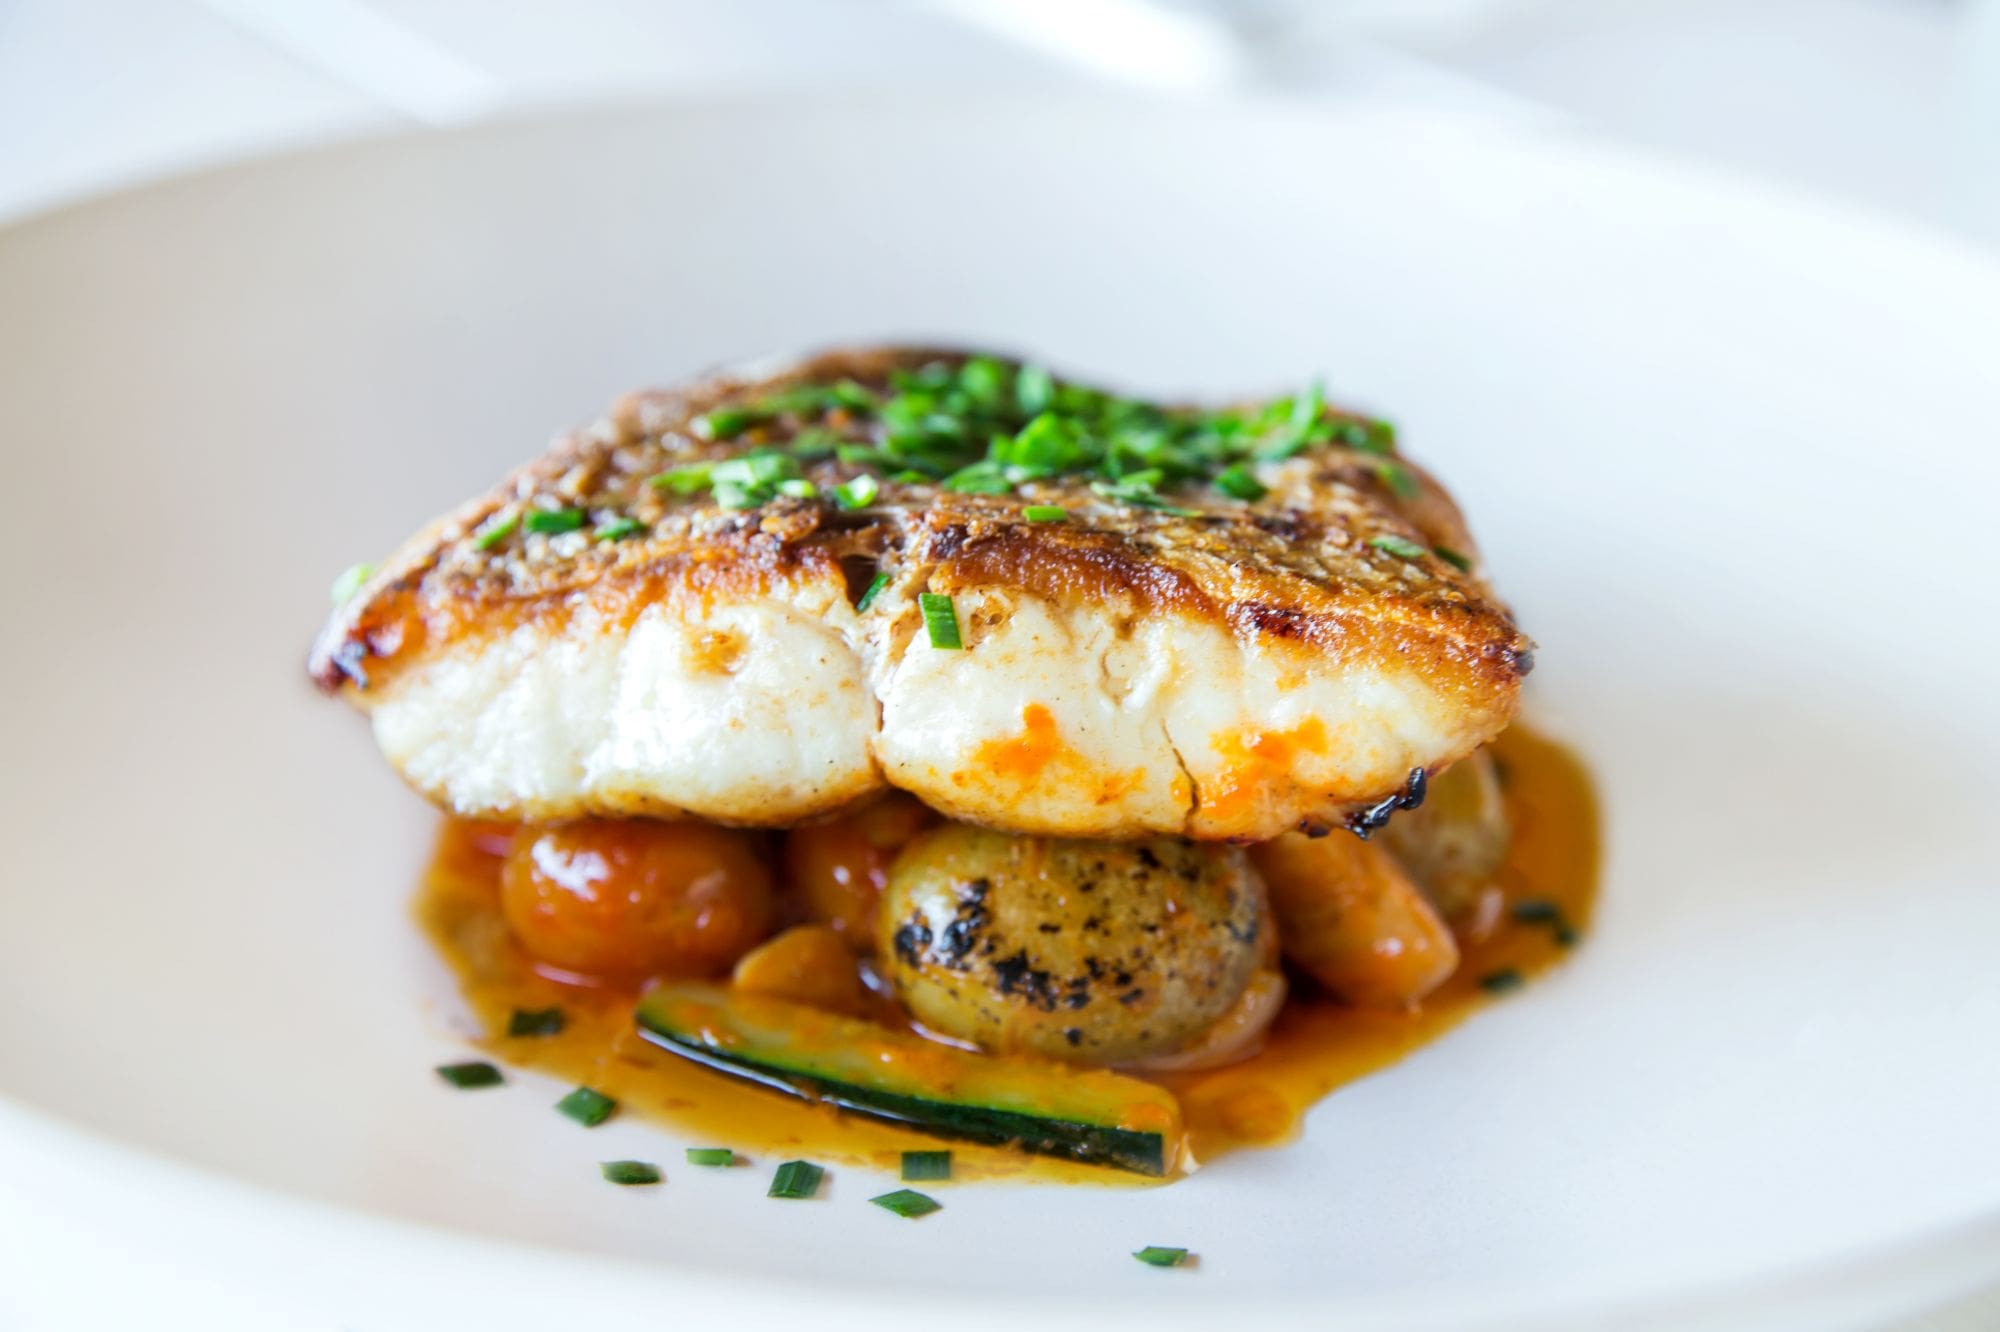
(1232, 671)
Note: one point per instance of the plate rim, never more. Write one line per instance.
(1948, 1260)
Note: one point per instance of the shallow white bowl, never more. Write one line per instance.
(1733, 458)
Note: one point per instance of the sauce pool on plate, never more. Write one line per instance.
(1539, 906)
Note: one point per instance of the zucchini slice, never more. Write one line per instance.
(1037, 1105)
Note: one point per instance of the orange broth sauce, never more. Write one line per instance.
(1314, 1047)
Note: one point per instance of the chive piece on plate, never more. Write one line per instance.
(1567, 934)
(1237, 482)
(535, 1022)
(940, 620)
(796, 1179)
(710, 1156)
(926, 1165)
(587, 1106)
(465, 1077)
(907, 1203)
(553, 522)
(630, 1172)
(1398, 546)
(618, 529)
(875, 586)
(1045, 513)
(1154, 1255)
(494, 533)
(1462, 563)
(349, 582)
(1501, 981)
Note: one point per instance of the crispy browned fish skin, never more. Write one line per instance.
(1290, 579)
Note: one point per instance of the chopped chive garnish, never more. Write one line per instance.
(1541, 911)
(858, 493)
(1398, 546)
(907, 1203)
(1045, 513)
(630, 1172)
(940, 620)
(618, 529)
(875, 586)
(1034, 389)
(1501, 981)
(689, 480)
(926, 1165)
(1398, 479)
(983, 425)
(1155, 1256)
(494, 533)
(554, 521)
(796, 1179)
(1462, 563)
(710, 1156)
(587, 1106)
(349, 582)
(1237, 482)
(724, 423)
(535, 1022)
(465, 1077)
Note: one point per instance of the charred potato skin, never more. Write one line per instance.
(1090, 952)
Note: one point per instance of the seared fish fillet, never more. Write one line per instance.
(1209, 666)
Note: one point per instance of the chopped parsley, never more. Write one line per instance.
(907, 1203)
(986, 427)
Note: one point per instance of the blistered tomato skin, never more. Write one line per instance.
(625, 899)
(838, 868)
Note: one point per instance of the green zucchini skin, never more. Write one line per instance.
(1091, 1117)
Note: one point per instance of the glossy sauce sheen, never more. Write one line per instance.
(1314, 1047)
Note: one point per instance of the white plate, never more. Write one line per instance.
(1734, 459)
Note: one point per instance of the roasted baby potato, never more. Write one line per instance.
(1455, 842)
(1092, 952)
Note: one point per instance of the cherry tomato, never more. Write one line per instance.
(625, 899)
(838, 868)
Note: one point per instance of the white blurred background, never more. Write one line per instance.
(1890, 104)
